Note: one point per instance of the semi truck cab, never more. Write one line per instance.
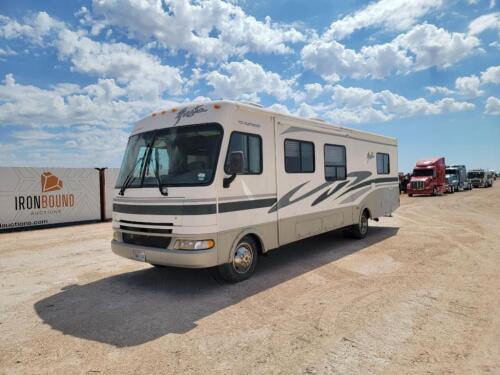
(428, 178)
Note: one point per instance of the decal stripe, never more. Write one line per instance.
(199, 209)
(369, 182)
(246, 205)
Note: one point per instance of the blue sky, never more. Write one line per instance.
(76, 75)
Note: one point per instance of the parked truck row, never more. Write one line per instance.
(434, 177)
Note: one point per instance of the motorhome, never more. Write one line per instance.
(220, 183)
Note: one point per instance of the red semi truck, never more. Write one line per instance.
(428, 178)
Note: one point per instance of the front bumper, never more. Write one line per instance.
(419, 191)
(167, 257)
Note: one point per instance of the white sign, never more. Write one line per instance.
(44, 196)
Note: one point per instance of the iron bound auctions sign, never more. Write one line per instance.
(35, 196)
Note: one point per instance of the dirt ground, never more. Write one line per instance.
(420, 295)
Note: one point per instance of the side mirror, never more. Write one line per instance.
(236, 162)
(235, 167)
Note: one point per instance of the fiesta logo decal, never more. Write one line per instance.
(49, 183)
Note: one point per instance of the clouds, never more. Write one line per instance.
(491, 75)
(433, 46)
(395, 15)
(356, 105)
(492, 106)
(211, 30)
(244, 80)
(143, 73)
(422, 47)
(69, 124)
(469, 86)
(333, 61)
(35, 28)
(65, 105)
(485, 22)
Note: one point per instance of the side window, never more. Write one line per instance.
(251, 147)
(299, 156)
(335, 163)
(383, 163)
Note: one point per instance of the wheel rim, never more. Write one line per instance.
(363, 224)
(243, 258)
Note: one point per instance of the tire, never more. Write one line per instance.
(434, 192)
(243, 261)
(410, 195)
(359, 230)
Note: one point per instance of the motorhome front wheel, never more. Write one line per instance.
(243, 261)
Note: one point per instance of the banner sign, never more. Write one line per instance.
(45, 196)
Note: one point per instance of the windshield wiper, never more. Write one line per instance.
(130, 177)
(163, 189)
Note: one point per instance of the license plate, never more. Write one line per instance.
(139, 255)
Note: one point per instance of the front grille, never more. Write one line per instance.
(417, 185)
(146, 230)
(142, 240)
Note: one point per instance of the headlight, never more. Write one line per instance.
(194, 244)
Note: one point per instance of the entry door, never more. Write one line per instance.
(297, 182)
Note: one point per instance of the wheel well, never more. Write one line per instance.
(368, 212)
(260, 247)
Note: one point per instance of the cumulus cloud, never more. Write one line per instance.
(433, 46)
(491, 75)
(102, 103)
(333, 60)
(439, 90)
(395, 15)
(492, 106)
(143, 73)
(420, 48)
(34, 28)
(313, 90)
(245, 80)
(91, 122)
(355, 105)
(469, 86)
(210, 30)
(485, 22)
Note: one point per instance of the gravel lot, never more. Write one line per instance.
(421, 294)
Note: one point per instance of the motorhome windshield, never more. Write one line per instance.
(178, 156)
(451, 171)
(423, 172)
(475, 175)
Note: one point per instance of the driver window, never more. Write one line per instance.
(251, 147)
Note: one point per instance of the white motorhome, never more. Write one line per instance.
(217, 184)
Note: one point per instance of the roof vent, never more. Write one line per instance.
(251, 103)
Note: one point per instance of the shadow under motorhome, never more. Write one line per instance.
(217, 184)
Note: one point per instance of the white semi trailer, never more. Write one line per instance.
(217, 184)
